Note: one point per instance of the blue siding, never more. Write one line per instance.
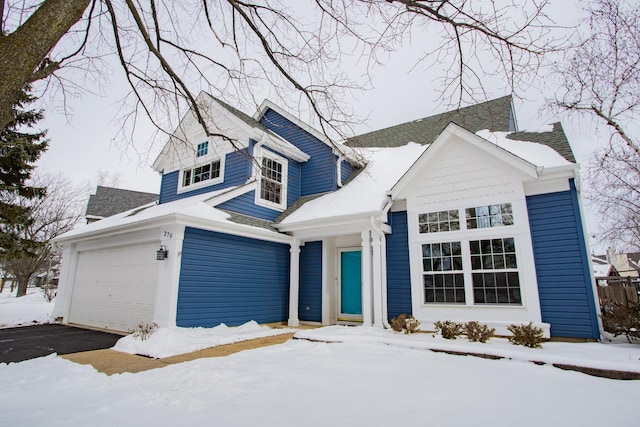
(562, 267)
(398, 270)
(236, 172)
(245, 205)
(230, 279)
(293, 182)
(319, 173)
(346, 169)
(310, 300)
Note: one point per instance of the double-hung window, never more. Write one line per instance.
(272, 191)
(443, 273)
(495, 271)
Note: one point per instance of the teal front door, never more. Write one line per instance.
(350, 284)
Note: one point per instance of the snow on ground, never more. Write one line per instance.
(316, 384)
(165, 342)
(364, 377)
(30, 309)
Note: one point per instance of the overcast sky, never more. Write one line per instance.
(83, 144)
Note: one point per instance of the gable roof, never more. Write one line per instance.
(229, 121)
(495, 115)
(109, 201)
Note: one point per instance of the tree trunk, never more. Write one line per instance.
(24, 50)
(23, 283)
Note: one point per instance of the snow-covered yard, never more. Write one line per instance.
(369, 377)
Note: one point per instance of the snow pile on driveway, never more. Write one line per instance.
(166, 342)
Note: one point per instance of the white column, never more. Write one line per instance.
(166, 305)
(65, 285)
(377, 280)
(294, 282)
(367, 315)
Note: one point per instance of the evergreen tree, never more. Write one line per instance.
(20, 148)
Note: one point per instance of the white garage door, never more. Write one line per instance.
(116, 288)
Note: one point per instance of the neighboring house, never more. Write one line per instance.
(439, 218)
(109, 201)
(602, 270)
(627, 265)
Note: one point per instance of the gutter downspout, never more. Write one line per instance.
(383, 263)
(339, 169)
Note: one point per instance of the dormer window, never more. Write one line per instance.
(202, 149)
(202, 175)
(273, 181)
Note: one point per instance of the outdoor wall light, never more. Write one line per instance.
(162, 253)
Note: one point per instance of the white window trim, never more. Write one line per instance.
(201, 162)
(266, 154)
(517, 231)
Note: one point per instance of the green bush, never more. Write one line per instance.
(526, 335)
(448, 329)
(622, 319)
(477, 332)
(405, 324)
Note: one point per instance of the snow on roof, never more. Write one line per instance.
(533, 152)
(367, 192)
(600, 270)
(198, 207)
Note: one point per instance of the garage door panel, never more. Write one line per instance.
(115, 289)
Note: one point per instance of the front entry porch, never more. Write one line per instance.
(339, 278)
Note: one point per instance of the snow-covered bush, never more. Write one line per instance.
(143, 330)
(448, 329)
(526, 335)
(405, 324)
(477, 332)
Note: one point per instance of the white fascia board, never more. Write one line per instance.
(453, 130)
(117, 229)
(282, 146)
(234, 229)
(182, 219)
(330, 222)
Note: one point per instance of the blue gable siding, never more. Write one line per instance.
(245, 205)
(346, 169)
(562, 267)
(319, 173)
(310, 299)
(237, 170)
(398, 270)
(230, 279)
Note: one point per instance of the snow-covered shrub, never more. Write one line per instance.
(448, 329)
(405, 324)
(143, 330)
(526, 335)
(49, 292)
(477, 332)
(622, 319)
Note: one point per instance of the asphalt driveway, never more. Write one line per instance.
(29, 342)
